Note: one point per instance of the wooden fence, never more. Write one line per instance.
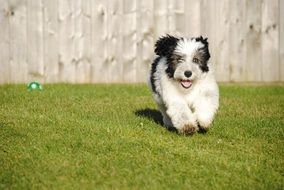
(94, 41)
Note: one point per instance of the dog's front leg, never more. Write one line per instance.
(182, 118)
(205, 110)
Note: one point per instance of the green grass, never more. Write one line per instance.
(109, 137)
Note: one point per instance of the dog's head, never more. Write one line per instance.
(187, 59)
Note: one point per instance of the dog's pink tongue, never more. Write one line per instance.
(186, 84)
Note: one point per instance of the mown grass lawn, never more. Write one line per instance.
(110, 137)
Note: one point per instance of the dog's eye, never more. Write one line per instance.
(195, 60)
(180, 59)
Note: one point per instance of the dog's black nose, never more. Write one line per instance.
(187, 74)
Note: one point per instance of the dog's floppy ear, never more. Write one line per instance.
(205, 49)
(202, 40)
(165, 45)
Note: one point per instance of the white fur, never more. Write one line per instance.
(182, 107)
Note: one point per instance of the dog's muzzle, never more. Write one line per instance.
(186, 83)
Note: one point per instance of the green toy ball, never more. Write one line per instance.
(34, 86)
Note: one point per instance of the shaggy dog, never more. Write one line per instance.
(183, 84)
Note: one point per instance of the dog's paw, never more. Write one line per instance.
(202, 129)
(188, 129)
(204, 122)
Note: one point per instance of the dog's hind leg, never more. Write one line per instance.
(166, 119)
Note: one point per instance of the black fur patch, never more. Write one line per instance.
(166, 45)
(204, 67)
(204, 53)
(172, 62)
(153, 70)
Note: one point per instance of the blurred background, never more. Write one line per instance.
(111, 41)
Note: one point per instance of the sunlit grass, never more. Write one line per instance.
(109, 137)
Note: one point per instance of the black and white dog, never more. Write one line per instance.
(183, 83)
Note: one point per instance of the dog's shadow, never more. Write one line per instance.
(150, 114)
(153, 115)
(156, 116)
